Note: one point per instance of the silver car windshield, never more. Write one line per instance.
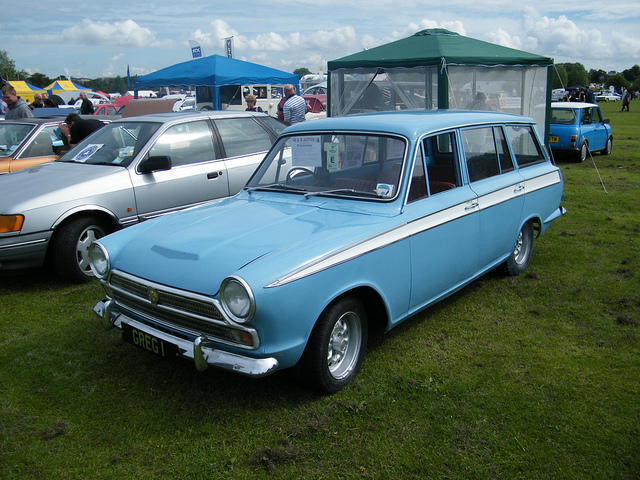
(116, 143)
(12, 135)
(354, 165)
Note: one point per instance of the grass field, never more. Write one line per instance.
(532, 377)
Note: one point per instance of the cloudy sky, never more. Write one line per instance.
(95, 39)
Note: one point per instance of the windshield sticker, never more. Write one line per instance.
(354, 157)
(306, 151)
(87, 152)
(333, 156)
(384, 190)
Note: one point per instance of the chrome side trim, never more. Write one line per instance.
(419, 225)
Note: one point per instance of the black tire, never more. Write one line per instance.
(608, 147)
(70, 248)
(336, 347)
(520, 257)
(583, 152)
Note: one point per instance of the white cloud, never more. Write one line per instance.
(126, 33)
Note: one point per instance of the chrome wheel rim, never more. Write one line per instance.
(344, 346)
(521, 249)
(85, 239)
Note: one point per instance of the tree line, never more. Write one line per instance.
(564, 75)
(574, 74)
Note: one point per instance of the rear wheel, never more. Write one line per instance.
(70, 248)
(519, 259)
(336, 347)
(583, 151)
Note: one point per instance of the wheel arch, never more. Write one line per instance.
(105, 216)
(373, 304)
(536, 223)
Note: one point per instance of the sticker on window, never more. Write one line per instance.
(87, 152)
(306, 151)
(333, 156)
(384, 190)
(354, 156)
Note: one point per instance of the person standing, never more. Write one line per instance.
(590, 97)
(16, 106)
(87, 107)
(37, 102)
(626, 100)
(295, 107)
(251, 104)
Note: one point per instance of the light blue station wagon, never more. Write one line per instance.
(349, 222)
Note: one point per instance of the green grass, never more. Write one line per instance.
(533, 377)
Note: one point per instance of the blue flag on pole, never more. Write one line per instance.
(196, 50)
(228, 46)
(128, 77)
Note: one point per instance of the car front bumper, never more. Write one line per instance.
(23, 251)
(197, 350)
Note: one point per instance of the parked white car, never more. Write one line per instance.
(607, 97)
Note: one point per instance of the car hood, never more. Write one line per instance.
(258, 238)
(57, 182)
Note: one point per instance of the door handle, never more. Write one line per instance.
(519, 188)
(471, 205)
(213, 175)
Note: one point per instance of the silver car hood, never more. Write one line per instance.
(58, 182)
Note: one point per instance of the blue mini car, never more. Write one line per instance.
(577, 128)
(347, 223)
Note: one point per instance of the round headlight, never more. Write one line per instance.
(237, 299)
(99, 260)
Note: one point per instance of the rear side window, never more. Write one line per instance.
(480, 152)
(242, 136)
(525, 145)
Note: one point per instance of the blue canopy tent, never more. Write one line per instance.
(209, 74)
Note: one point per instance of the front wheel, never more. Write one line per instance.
(336, 347)
(519, 259)
(70, 248)
(608, 147)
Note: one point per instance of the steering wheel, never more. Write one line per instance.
(289, 179)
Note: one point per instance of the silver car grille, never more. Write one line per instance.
(175, 309)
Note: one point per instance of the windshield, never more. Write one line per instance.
(11, 136)
(366, 166)
(563, 116)
(116, 143)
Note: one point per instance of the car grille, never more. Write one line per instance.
(190, 313)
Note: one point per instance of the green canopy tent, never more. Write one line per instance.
(439, 69)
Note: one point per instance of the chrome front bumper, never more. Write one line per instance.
(202, 355)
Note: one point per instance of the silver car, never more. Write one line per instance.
(130, 170)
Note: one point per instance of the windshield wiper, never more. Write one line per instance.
(343, 191)
(277, 186)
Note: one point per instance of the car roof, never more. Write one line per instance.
(169, 116)
(409, 122)
(574, 105)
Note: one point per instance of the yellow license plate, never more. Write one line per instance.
(554, 139)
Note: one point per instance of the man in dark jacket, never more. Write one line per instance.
(75, 128)
(87, 107)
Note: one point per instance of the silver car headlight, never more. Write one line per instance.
(99, 258)
(237, 299)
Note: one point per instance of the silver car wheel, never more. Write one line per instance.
(345, 343)
(86, 238)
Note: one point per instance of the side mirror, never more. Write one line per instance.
(155, 164)
(606, 120)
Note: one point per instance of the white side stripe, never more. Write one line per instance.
(415, 227)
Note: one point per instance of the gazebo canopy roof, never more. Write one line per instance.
(432, 47)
